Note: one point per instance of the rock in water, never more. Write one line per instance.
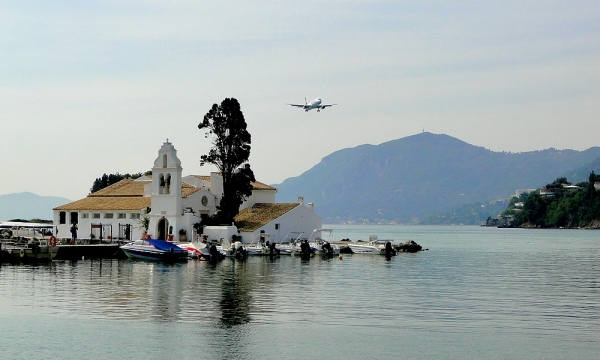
(409, 246)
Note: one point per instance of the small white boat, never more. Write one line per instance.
(155, 250)
(236, 250)
(321, 246)
(374, 246)
(215, 251)
(292, 245)
(258, 246)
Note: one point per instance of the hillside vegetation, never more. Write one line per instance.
(567, 207)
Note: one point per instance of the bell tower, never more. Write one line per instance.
(166, 192)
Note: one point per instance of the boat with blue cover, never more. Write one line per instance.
(155, 250)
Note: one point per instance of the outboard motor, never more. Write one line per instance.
(214, 253)
(305, 250)
(239, 250)
(241, 253)
(327, 249)
(389, 250)
(273, 251)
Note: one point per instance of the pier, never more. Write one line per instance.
(34, 252)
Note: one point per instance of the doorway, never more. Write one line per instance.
(163, 225)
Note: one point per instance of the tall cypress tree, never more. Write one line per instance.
(225, 125)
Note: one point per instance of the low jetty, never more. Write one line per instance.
(36, 251)
(88, 251)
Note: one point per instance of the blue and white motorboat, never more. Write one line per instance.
(155, 250)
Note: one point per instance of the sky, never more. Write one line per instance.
(94, 87)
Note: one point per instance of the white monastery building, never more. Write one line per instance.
(172, 204)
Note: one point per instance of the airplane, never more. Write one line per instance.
(315, 104)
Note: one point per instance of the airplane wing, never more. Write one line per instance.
(326, 105)
(297, 105)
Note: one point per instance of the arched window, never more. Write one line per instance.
(164, 160)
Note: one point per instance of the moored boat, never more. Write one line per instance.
(321, 246)
(193, 249)
(292, 245)
(374, 246)
(262, 246)
(154, 250)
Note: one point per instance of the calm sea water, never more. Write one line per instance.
(478, 293)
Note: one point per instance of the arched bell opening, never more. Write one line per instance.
(168, 184)
(161, 184)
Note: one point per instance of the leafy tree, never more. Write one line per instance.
(242, 183)
(226, 126)
(567, 208)
(590, 186)
(561, 181)
(144, 220)
(534, 209)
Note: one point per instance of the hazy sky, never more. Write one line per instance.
(93, 87)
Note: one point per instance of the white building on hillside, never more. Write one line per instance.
(172, 204)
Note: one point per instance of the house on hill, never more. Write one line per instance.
(171, 204)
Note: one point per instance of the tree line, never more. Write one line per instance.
(566, 207)
(107, 180)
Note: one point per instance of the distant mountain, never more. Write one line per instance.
(582, 173)
(28, 206)
(423, 175)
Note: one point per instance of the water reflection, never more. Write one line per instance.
(235, 295)
(466, 296)
(167, 291)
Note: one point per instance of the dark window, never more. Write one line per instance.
(276, 226)
(62, 217)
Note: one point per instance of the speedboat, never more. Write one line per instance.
(155, 250)
(236, 250)
(374, 246)
(257, 247)
(291, 246)
(214, 251)
(321, 246)
(261, 246)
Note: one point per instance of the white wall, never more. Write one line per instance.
(216, 185)
(220, 232)
(85, 224)
(259, 197)
(195, 202)
(301, 218)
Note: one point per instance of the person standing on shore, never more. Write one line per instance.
(73, 234)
